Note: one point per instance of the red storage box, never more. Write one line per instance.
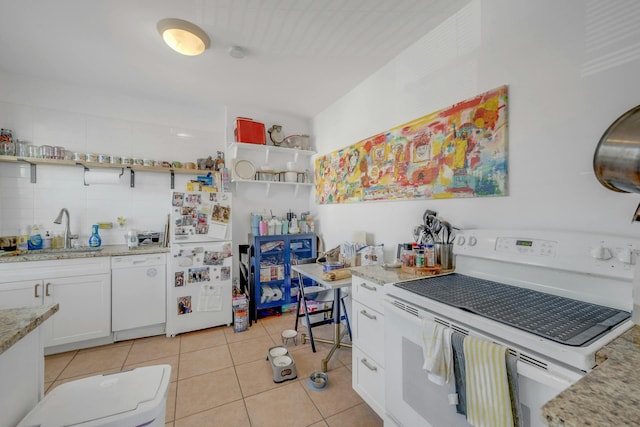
(250, 131)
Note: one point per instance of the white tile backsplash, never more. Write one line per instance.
(145, 206)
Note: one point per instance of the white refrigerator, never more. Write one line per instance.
(199, 273)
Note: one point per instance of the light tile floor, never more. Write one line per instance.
(222, 378)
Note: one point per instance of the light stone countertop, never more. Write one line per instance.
(382, 275)
(609, 395)
(107, 250)
(16, 323)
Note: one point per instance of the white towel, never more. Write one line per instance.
(487, 386)
(436, 349)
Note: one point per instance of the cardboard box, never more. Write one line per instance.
(271, 272)
(250, 131)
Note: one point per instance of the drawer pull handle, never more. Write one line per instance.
(46, 290)
(370, 316)
(371, 288)
(369, 365)
(35, 291)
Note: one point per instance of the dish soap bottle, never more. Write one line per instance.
(35, 239)
(94, 240)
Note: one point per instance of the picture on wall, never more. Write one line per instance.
(459, 151)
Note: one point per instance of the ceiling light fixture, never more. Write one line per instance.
(183, 36)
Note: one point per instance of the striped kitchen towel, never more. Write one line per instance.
(487, 386)
(436, 349)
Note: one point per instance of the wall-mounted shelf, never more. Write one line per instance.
(295, 153)
(274, 184)
(278, 155)
(33, 162)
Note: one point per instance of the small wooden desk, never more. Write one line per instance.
(314, 272)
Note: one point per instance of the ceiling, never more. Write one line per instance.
(301, 55)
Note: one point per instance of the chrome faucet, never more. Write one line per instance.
(67, 232)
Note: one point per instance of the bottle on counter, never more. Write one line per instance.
(94, 240)
(47, 242)
(35, 238)
(430, 255)
(57, 242)
(23, 239)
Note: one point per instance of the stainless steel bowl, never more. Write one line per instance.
(616, 161)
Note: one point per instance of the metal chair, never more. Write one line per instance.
(304, 295)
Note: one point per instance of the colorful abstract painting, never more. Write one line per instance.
(460, 151)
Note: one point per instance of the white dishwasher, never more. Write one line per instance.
(138, 295)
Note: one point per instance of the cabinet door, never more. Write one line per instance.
(270, 263)
(21, 293)
(367, 378)
(300, 247)
(368, 331)
(85, 308)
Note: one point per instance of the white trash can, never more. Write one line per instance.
(131, 398)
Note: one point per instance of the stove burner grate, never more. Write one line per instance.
(556, 318)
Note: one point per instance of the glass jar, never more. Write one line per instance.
(34, 151)
(7, 147)
(46, 151)
(58, 152)
(22, 148)
(407, 256)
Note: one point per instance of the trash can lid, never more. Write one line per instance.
(120, 395)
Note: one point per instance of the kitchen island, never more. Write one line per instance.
(21, 360)
(607, 396)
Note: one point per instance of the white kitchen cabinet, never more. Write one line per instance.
(368, 342)
(26, 293)
(81, 286)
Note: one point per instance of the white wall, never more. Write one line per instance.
(571, 68)
(97, 121)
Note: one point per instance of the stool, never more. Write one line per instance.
(289, 335)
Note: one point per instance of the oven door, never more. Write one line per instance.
(412, 400)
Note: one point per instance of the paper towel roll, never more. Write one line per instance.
(277, 294)
(110, 176)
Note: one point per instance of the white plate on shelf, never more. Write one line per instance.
(244, 169)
